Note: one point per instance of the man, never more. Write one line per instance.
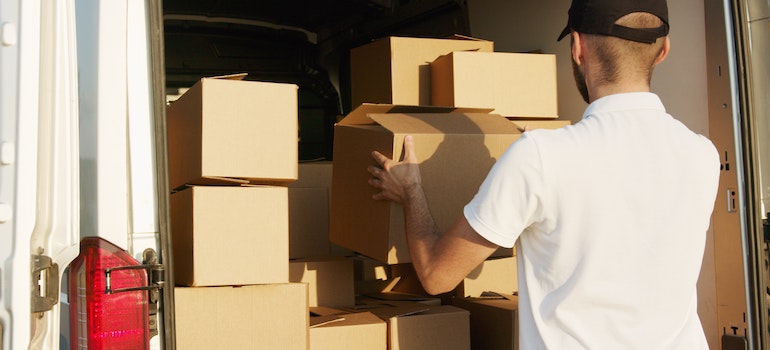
(610, 213)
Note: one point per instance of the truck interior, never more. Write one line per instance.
(307, 42)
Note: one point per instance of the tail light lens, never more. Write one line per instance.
(101, 315)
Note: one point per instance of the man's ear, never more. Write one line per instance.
(576, 45)
(664, 51)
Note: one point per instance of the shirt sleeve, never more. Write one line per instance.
(510, 198)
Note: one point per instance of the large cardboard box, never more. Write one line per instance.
(225, 131)
(330, 280)
(332, 329)
(396, 70)
(419, 326)
(455, 151)
(270, 316)
(493, 321)
(230, 235)
(514, 84)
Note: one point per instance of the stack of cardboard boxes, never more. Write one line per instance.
(232, 153)
(272, 253)
(464, 104)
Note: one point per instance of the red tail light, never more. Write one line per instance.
(101, 315)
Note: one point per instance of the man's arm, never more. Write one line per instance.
(440, 260)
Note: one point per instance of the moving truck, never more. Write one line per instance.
(84, 86)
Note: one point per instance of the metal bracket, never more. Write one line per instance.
(45, 283)
(155, 275)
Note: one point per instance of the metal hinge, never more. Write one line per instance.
(156, 276)
(45, 283)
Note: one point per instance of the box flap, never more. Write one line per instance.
(465, 37)
(317, 321)
(447, 124)
(359, 116)
(236, 76)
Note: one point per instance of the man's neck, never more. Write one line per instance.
(612, 89)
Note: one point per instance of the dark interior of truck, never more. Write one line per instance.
(304, 42)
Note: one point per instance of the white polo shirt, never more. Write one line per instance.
(611, 216)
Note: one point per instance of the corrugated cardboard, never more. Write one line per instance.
(309, 200)
(224, 131)
(330, 280)
(270, 316)
(418, 326)
(314, 175)
(494, 274)
(396, 70)
(308, 222)
(493, 321)
(230, 235)
(332, 329)
(455, 150)
(514, 84)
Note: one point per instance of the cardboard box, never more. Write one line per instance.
(225, 131)
(270, 316)
(230, 235)
(332, 329)
(314, 175)
(330, 280)
(514, 84)
(493, 321)
(396, 70)
(308, 222)
(494, 274)
(309, 201)
(455, 150)
(418, 326)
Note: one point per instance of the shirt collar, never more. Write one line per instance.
(625, 101)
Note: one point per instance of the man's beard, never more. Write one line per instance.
(580, 81)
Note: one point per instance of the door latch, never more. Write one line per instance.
(45, 283)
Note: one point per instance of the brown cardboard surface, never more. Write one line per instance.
(358, 330)
(270, 316)
(455, 150)
(230, 235)
(494, 322)
(314, 174)
(439, 327)
(514, 84)
(329, 279)
(414, 325)
(494, 274)
(224, 131)
(397, 69)
(308, 222)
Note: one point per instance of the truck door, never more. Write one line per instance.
(39, 184)
(751, 32)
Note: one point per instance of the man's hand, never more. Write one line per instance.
(395, 180)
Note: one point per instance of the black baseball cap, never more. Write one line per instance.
(599, 16)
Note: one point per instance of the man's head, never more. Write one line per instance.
(622, 40)
(601, 16)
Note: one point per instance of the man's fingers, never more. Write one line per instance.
(380, 158)
(409, 153)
